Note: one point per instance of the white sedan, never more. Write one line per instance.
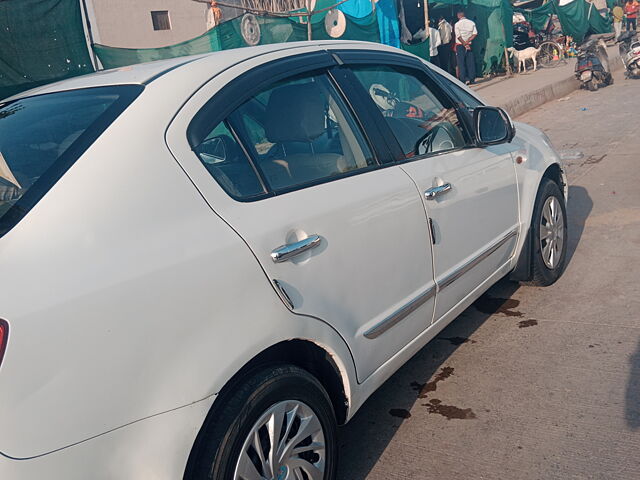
(209, 263)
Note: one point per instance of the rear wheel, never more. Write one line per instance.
(549, 230)
(550, 54)
(278, 424)
(592, 85)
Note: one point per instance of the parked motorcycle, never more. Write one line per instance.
(592, 67)
(630, 53)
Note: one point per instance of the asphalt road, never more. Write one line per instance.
(534, 383)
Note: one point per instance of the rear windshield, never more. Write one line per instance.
(42, 136)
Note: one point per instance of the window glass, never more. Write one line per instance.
(299, 131)
(468, 101)
(41, 136)
(419, 121)
(225, 160)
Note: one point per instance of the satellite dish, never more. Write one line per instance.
(335, 23)
(250, 29)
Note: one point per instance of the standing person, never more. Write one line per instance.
(618, 14)
(465, 32)
(631, 11)
(434, 43)
(444, 50)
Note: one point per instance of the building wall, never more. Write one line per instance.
(127, 23)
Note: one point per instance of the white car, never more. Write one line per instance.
(208, 263)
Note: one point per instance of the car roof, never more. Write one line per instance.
(216, 62)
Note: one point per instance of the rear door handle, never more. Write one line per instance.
(290, 250)
(433, 192)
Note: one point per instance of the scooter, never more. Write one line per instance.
(592, 67)
(630, 53)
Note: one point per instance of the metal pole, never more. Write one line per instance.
(309, 31)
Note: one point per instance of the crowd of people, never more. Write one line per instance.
(452, 47)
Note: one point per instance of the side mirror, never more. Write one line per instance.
(492, 126)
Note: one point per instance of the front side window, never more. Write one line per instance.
(41, 137)
(299, 131)
(421, 123)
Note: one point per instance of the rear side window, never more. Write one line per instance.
(42, 136)
(294, 134)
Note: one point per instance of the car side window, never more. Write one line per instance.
(421, 123)
(466, 99)
(226, 161)
(300, 132)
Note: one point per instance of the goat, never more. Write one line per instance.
(523, 55)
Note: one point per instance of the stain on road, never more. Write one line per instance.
(449, 411)
(400, 413)
(425, 388)
(527, 323)
(493, 305)
(457, 340)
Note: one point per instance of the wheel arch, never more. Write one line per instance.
(554, 173)
(303, 353)
(523, 269)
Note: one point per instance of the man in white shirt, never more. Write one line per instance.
(434, 43)
(444, 50)
(465, 33)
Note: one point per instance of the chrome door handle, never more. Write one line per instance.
(433, 192)
(290, 250)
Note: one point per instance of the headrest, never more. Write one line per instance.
(295, 113)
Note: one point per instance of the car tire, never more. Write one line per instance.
(236, 430)
(549, 247)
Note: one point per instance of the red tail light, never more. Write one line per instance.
(4, 338)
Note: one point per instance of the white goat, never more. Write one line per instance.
(523, 55)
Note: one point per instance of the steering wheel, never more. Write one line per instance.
(425, 144)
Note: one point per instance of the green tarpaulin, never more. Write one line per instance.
(40, 41)
(578, 18)
(493, 19)
(229, 35)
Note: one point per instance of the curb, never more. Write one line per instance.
(553, 91)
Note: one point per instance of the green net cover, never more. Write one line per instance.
(228, 35)
(419, 49)
(578, 18)
(40, 41)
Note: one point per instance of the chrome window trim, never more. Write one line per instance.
(452, 277)
(400, 314)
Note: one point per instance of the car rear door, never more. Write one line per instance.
(280, 154)
(470, 194)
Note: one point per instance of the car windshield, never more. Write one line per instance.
(41, 137)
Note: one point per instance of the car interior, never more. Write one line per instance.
(297, 132)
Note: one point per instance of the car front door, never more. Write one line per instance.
(291, 168)
(470, 194)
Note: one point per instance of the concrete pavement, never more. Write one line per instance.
(534, 383)
(523, 92)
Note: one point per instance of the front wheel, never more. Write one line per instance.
(278, 424)
(549, 230)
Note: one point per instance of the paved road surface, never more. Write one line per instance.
(533, 383)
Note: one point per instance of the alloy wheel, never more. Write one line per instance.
(551, 232)
(286, 443)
